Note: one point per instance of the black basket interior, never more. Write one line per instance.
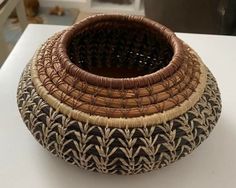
(119, 50)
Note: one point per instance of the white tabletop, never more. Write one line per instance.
(24, 163)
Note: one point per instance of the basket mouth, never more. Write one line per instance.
(120, 51)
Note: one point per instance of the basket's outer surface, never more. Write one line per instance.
(118, 94)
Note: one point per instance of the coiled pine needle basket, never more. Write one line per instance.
(118, 94)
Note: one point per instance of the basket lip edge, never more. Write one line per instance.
(123, 83)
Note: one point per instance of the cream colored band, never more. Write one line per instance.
(120, 122)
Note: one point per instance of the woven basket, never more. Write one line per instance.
(118, 94)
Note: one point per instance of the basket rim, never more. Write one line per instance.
(122, 83)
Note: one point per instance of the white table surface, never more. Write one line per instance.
(24, 163)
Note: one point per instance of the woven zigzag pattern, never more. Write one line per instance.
(118, 150)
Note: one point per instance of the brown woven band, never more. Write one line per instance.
(50, 49)
(119, 122)
(116, 103)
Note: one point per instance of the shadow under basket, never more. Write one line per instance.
(118, 94)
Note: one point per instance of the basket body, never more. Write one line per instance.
(106, 100)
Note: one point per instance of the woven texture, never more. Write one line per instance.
(118, 94)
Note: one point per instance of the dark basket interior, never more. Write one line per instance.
(119, 50)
